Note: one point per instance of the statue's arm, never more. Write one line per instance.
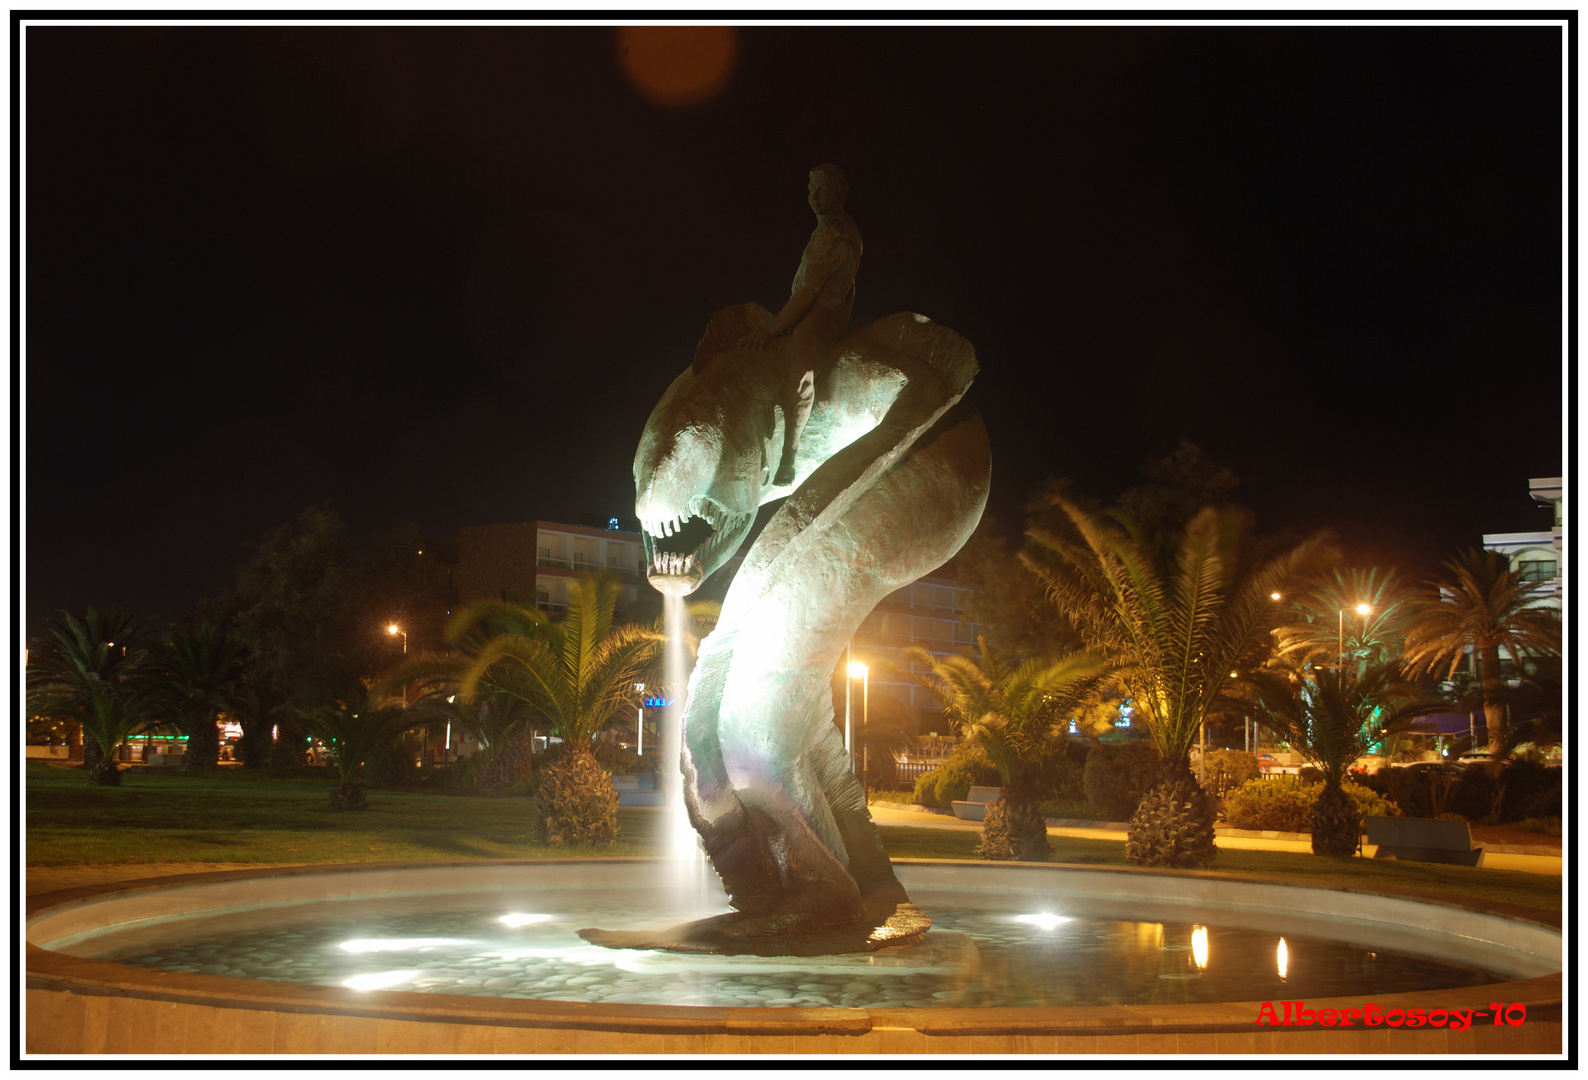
(798, 306)
(819, 264)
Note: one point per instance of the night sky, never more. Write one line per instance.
(442, 275)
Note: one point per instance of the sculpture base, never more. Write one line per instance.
(742, 934)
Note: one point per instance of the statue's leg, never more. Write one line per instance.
(796, 403)
(810, 347)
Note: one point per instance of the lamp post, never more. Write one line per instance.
(858, 670)
(1361, 609)
(394, 629)
(849, 662)
(639, 688)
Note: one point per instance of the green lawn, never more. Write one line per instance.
(243, 820)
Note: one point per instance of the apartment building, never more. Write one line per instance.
(537, 559)
(930, 613)
(1537, 555)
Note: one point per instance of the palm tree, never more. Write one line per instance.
(577, 676)
(1333, 718)
(1482, 605)
(1175, 633)
(1323, 625)
(355, 728)
(1010, 713)
(92, 670)
(197, 674)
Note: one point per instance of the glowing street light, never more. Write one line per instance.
(858, 670)
(639, 688)
(394, 629)
(1363, 610)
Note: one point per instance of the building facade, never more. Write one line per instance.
(1539, 555)
(930, 613)
(537, 559)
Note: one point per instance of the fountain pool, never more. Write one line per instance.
(1037, 943)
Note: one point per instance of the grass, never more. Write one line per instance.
(152, 818)
(241, 819)
(1541, 892)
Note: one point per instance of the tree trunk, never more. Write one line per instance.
(203, 746)
(1493, 688)
(1014, 829)
(1173, 826)
(1336, 825)
(93, 754)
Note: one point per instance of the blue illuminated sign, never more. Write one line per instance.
(657, 702)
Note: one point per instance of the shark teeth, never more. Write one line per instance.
(669, 565)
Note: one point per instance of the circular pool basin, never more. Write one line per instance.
(1008, 941)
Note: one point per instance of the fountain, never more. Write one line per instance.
(823, 950)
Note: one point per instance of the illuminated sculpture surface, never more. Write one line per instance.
(889, 478)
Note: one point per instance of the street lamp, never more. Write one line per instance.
(639, 688)
(1363, 610)
(858, 670)
(395, 629)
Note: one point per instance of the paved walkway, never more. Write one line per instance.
(887, 814)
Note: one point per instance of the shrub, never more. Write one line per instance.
(1117, 776)
(1548, 826)
(1532, 790)
(509, 762)
(576, 802)
(1370, 803)
(391, 766)
(1285, 804)
(459, 775)
(1063, 770)
(620, 761)
(1418, 792)
(1227, 769)
(968, 767)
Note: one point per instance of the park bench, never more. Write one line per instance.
(974, 806)
(637, 790)
(1423, 840)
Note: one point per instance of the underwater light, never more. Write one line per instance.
(362, 945)
(522, 920)
(379, 980)
(1045, 922)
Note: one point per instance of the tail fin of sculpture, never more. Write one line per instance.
(915, 335)
(726, 328)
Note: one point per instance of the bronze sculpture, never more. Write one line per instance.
(888, 480)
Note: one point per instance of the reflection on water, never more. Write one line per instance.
(985, 949)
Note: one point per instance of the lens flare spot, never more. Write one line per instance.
(678, 65)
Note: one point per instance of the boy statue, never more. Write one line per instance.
(818, 308)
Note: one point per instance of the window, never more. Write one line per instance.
(612, 560)
(1536, 569)
(578, 558)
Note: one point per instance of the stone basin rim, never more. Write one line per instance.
(48, 970)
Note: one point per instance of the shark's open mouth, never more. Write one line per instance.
(682, 549)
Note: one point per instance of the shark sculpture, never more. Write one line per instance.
(890, 480)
